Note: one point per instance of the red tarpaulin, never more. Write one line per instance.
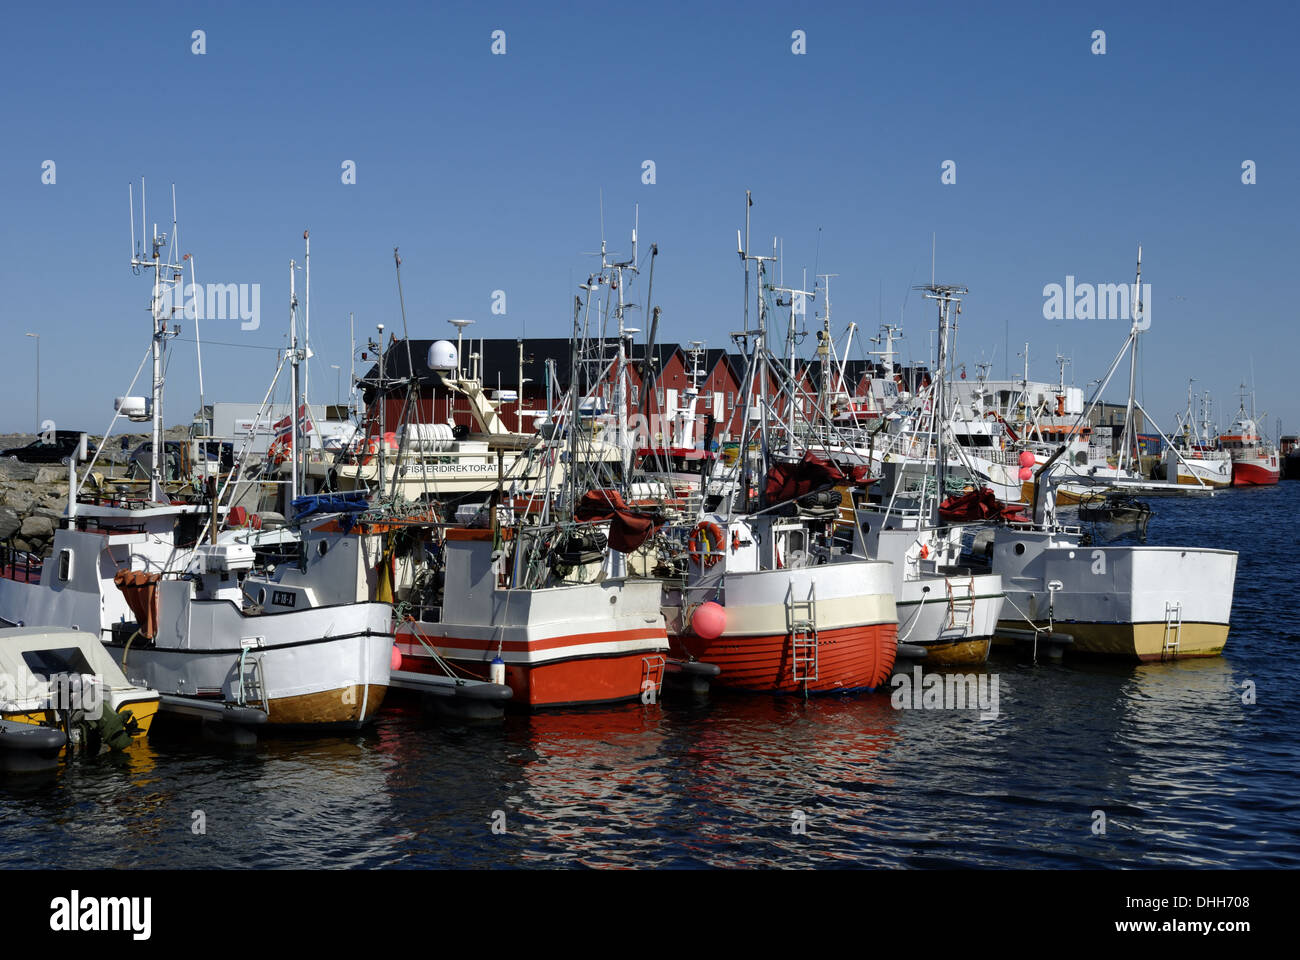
(627, 528)
(978, 505)
(786, 481)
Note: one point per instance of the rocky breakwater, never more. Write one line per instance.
(32, 502)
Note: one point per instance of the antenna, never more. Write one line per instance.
(130, 196)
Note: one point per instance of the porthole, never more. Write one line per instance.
(1020, 548)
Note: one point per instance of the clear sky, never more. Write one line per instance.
(487, 171)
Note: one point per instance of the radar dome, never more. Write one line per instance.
(442, 355)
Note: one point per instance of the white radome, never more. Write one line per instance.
(442, 355)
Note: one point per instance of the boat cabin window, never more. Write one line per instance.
(51, 663)
(65, 565)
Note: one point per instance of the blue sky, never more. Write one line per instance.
(487, 170)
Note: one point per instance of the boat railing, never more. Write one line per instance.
(20, 565)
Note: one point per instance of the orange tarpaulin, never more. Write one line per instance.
(140, 590)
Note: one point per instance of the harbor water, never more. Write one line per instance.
(1085, 765)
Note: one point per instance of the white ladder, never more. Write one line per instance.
(1169, 647)
(652, 674)
(801, 615)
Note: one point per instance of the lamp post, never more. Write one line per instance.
(38, 381)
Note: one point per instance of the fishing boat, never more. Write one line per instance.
(1254, 462)
(528, 606)
(947, 611)
(61, 693)
(544, 605)
(1134, 602)
(759, 586)
(187, 615)
(1193, 458)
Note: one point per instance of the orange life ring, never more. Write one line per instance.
(711, 535)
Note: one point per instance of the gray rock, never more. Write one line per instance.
(48, 474)
(41, 527)
(10, 522)
(20, 498)
(13, 470)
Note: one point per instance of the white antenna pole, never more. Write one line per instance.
(130, 196)
(352, 373)
(198, 340)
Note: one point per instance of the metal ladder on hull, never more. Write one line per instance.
(1169, 646)
(801, 615)
(252, 678)
(652, 676)
(961, 608)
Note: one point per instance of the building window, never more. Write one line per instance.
(636, 394)
(731, 401)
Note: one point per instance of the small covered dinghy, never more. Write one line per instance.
(60, 691)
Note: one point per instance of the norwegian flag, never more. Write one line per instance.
(283, 425)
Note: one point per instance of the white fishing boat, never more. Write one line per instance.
(1194, 458)
(172, 605)
(946, 611)
(1137, 602)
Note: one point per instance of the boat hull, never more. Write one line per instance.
(850, 658)
(574, 681)
(1131, 602)
(324, 667)
(1142, 642)
(1255, 473)
(855, 614)
(569, 645)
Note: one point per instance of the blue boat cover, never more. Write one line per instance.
(353, 501)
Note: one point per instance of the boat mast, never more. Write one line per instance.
(166, 275)
(797, 302)
(756, 342)
(293, 386)
(1130, 433)
(946, 295)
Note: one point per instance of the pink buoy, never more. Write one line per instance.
(709, 621)
(395, 662)
(1026, 458)
(1027, 473)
